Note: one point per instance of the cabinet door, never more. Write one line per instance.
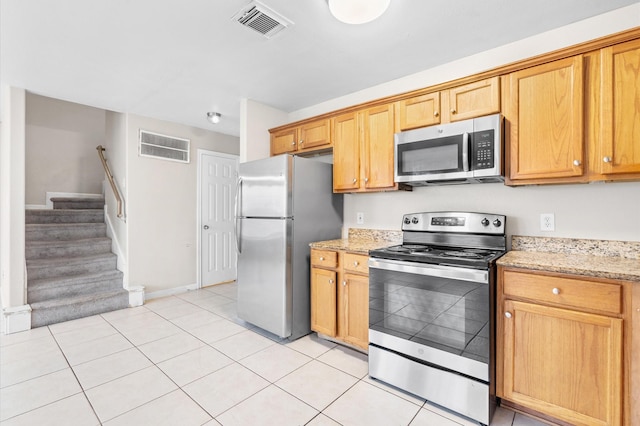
(323, 301)
(563, 363)
(419, 111)
(355, 305)
(284, 141)
(346, 153)
(378, 146)
(620, 109)
(472, 100)
(545, 114)
(315, 135)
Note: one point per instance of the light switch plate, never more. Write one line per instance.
(360, 218)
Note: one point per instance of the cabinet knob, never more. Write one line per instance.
(301, 142)
(355, 263)
(321, 258)
(607, 159)
(453, 110)
(344, 283)
(507, 314)
(293, 143)
(355, 180)
(330, 281)
(366, 180)
(555, 290)
(576, 162)
(436, 113)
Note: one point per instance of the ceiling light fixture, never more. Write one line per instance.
(357, 11)
(214, 117)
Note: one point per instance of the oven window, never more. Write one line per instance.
(430, 156)
(442, 313)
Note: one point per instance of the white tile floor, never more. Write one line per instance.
(187, 360)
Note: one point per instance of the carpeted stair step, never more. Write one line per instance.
(64, 216)
(64, 231)
(44, 289)
(69, 266)
(77, 203)
(65, 309)
(48, 249)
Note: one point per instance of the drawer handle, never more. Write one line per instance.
(355, 263)
(555, 290)
(321, 258)
(507, 314)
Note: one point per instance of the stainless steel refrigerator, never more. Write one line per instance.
(282, 204)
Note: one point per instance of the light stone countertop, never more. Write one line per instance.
(593, 258)
(360, 241)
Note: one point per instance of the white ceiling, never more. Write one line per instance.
(177, 59)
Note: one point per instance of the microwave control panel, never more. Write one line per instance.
(483, 150)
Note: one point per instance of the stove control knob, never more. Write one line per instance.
(497, 223)
(485, 222)
(414, 220)
(407, 221)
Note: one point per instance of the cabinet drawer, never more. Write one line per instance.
(324, 258)
(358, 263)
(569, 292)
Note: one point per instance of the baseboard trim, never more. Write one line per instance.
(50, 195)
(16, 319)
(170, 291)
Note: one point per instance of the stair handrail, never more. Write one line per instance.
(116, 193)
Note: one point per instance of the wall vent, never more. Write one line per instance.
(260, 18)
(164, 147)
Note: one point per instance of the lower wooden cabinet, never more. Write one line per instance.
(557, 356)
(340, 296)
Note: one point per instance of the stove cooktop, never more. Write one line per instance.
(457, 256)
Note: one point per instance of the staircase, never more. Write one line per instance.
(71, 272)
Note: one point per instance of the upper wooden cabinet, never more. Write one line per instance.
(575, 119)
(459, 103)
(617, 146)
(363, 150)
(544, 108)
(311, 136)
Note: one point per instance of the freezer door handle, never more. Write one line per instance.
(237, 209)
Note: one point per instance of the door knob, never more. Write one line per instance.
(206, 227)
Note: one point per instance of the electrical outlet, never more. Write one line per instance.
(360, 218)
(547, 222)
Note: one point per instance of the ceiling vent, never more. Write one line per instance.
(164, 147)
(260, 18)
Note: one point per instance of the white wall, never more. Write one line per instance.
(61, 138)
(599, 211)
(12, 190)
(161, 206)
(255, 118)
(116, 156)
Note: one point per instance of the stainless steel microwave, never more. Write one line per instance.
(468, 151)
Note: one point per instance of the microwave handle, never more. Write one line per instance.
(465, 151)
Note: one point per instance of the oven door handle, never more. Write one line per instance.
(452, 272)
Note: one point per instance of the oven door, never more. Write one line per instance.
(433, 153)
(438, 314)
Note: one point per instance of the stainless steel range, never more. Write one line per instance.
(431, 310)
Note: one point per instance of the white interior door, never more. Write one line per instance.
(218, 178)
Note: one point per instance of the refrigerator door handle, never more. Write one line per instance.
(237, 208)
